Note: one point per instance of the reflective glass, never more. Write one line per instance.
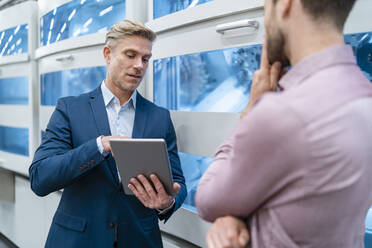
(368, 234)
(213, 81)
(14, 91)
(166, 7)
(73, 82)
(220, 80)
(193, 167)
(14, 140)
(80, 17)
(14, 40)
(362, 46)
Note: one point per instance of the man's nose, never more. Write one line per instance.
(138, 64)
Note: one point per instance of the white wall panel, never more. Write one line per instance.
(357, 21)
(26, 220)
(16, 116)
(201, 13)
(201, 133)
(78, 58)
(15, 162)
(203, 36)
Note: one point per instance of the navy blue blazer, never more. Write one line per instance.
(93, 210)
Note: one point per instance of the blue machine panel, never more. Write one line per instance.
(220, 80)
(14, 40)
(368, 234)
(166, 7)
(78, 18)
(362, 46)
(14, 91)
(193, 167)
(213, 81)
(14, 140)
(73, 82)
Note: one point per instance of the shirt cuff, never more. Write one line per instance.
(164, 211)
(100, 146)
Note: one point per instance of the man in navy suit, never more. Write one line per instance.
(75, 155)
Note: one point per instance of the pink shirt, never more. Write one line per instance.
(299, 165)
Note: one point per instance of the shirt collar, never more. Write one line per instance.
(338, 54)
(108, 96)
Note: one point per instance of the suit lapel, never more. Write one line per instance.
(99, 112)
(140, 118)
(100, 116)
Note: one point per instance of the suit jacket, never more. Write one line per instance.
(93, 210)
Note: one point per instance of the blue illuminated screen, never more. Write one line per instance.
(362, 47)
(14, 40)
(220, 80)
(213, 81)
(72, 82)
(78, 18)
(166, 7)
(14, 140)
(368, 234)
(193, 167)
(14, 90)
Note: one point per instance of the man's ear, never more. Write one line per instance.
(107, 54)
(285, 8)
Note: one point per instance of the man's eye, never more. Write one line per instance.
(145, 60)
(131, 56)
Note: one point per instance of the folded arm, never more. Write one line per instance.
(254, 164)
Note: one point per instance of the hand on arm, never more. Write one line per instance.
(264, 80)
(152, 194)
(228, 232)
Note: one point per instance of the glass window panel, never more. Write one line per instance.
(220, 80)
(362, 46)
(14, 40)
(80, 17)
(193, 167)
(73, 82)
(14, 140)
(14, 90)
(368, 236)
(213, 81)
(166, 7)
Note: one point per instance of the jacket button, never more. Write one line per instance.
(111, 224)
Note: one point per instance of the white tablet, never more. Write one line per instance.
(142, 156)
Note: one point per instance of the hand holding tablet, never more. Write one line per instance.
(150, 191)
(136, 157)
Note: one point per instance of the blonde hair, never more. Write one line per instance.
(123, 29)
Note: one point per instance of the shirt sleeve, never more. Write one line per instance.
(100, 146)
(254, 163)
(165, 210)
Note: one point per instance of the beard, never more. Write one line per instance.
(275, 48)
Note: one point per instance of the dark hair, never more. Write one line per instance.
(336, 11)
